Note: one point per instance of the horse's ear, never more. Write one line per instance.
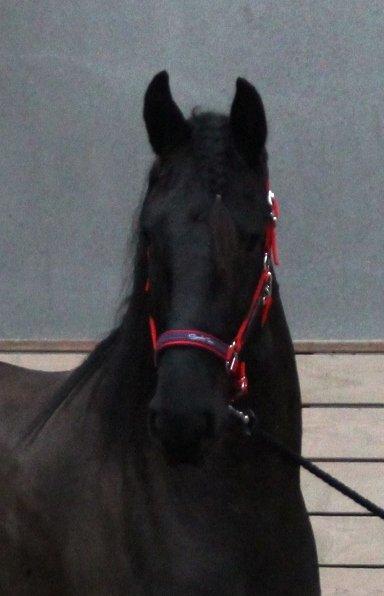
(248, 121)
(166, 126)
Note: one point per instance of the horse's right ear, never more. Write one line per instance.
(166, 126)
(248, 122)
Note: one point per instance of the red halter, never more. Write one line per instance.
(260, 305)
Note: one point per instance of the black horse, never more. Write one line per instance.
(130, 476)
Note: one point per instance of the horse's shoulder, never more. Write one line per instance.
(23, 392)
(12, 375)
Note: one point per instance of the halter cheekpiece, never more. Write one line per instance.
(260, 306)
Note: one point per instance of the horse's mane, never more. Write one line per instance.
(109, 353)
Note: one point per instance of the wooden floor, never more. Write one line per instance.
(343, 413)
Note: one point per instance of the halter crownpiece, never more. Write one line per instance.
(260, 305)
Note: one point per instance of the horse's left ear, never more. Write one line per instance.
(166, 126)
(248, 121)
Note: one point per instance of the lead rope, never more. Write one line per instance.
(251, 426)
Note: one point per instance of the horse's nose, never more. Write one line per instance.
(183, 436)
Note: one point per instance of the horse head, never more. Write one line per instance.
(204, 222)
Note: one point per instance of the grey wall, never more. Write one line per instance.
(74, 153)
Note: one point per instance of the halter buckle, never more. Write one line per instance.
(232, 360)
(272, 201)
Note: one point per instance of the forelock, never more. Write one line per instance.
(211, 144)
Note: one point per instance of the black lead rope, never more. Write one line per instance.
(248, 418)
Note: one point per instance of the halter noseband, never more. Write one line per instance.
(260, 305)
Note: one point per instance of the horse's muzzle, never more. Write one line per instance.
(184, 437)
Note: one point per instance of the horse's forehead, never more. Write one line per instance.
(213, 157)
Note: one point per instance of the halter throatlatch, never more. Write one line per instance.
(260, 306)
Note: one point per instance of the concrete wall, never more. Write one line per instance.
(73, 151)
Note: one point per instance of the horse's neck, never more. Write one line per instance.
(274, 386)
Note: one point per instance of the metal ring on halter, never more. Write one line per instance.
(267, 291)
(247, 417)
